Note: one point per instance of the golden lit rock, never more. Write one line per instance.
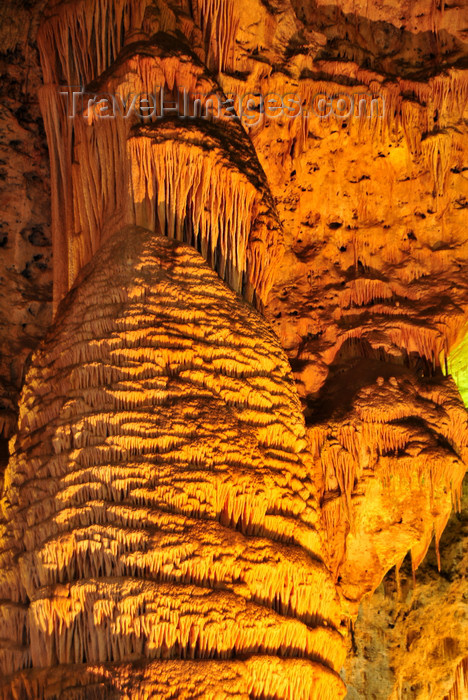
(169, 505)
(182, 514)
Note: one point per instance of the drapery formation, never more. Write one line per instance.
(199, 182)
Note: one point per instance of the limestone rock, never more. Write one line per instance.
(342, 218)
(160, 503)
(410, 636)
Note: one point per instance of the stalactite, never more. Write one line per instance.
(437, 151)
(460, 686)
(100, 180)
(335, 515)
(59, 137)
(92, 193)
(80, 39)
(197, 198)
(229, 218)
(392, 444)
(403, 106)
(219, 22)
(363, 291)
(186, 192)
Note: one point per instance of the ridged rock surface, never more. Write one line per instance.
(160, 503)
(370, 300)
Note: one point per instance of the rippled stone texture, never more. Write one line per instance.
(161, 502)
(370, 299)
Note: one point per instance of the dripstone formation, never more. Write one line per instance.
(249, 406)
(160, 502)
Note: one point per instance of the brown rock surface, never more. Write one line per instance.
(25, 244)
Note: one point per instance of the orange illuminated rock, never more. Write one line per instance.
(194, 179)
(161, 501)
(165, 496)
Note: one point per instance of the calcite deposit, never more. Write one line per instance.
(246, 426)
(161, 500)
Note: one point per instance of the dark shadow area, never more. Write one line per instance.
(4, 456)
(382, 46)
(357, 365)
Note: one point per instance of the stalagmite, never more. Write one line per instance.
(141, 514)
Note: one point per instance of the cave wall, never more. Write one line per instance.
(25, 239)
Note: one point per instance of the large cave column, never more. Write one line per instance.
(160, 512)
(161, 500)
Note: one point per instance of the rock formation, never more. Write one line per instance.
(160, 502)
(25, 240)
(410, 637)
(180, 518)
